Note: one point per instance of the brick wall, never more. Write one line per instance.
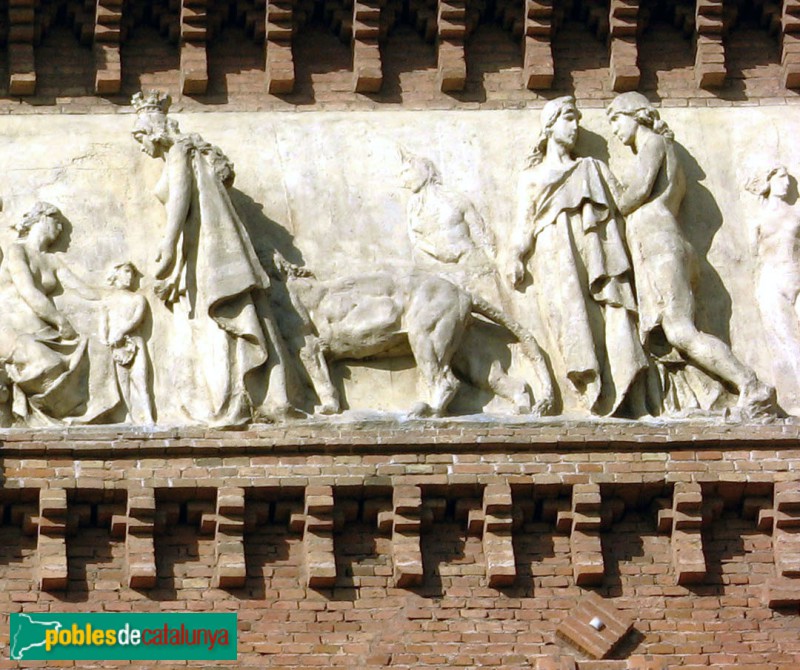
(431, 545)
(64, 67)
(389, 545)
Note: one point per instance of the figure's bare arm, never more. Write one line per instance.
(614, 185)
(42, 306)
(179, 170)
(522, 240)
(649, 159)
(478, 230)
(73, 282)
(421, 244)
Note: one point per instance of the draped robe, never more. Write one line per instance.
(582, 279)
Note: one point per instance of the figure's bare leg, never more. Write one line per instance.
(124, 383)
(542, 383)
(443, 387)
(138, 400)
(277, 398)
(715, 356)
(707, 351)
(433, 352)
(437, 319)
(490, 375)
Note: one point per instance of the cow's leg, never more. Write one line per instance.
(313, 358)
(438, 316)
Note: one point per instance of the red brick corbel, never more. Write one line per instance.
(106, 46)
(538, 67)
(623, 47)
(367, 65)
(406, 524)
(498, 546)
(318, 537)
(138, 527)
(279, 30)
(709, 26)
(21, 37)
(193, 38)
(51, 546)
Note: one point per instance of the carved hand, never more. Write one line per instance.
(114, 338)
(66, 329)
(164, 260)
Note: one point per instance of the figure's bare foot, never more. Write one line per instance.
(328, 407)
(543, 407)
(757, 400)
(522, 403)
(420, 410)
(278, 413)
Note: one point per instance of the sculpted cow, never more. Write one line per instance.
(382, 314)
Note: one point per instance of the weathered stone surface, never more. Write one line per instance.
(298, 202)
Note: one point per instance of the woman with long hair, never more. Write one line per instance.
(567, 230)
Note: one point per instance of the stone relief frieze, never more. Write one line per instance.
(418, 270)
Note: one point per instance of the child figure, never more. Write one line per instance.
(122, 316)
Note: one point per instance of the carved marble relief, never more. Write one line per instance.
(208, 270)
(383, 314)
(567, 231)
(121, 332)
(450, 237)
(662, 259)
(775, 237)
(446, 278)
(41, 351)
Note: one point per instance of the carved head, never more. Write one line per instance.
(771, 182)
(560, 118)
(122, 275)
(43, 220)
(628, 111)
(418, 172)
(560, 122)
(153, 129)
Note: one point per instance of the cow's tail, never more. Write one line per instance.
(544, 392)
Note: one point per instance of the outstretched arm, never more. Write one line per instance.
(649, 159)
(614, 184)
(71, 281)
(179, 170)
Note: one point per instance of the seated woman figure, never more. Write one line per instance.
(40, 351)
